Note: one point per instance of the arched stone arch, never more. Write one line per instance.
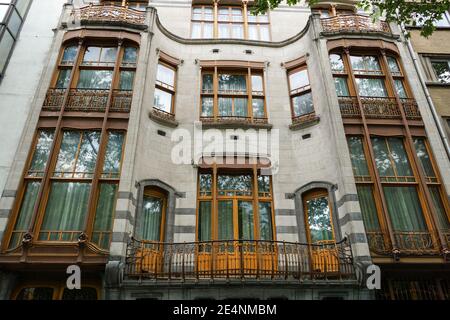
(170, 210)
(300, 214)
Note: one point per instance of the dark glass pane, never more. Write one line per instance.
(264, 184)
(400, 157)
(225, 221)
(368, 207)
(233, 83)
(95, 79)
(341, 87)
(5, 47)
(400, 89)
(205, 182)
(113, 155)
(357, 156)
(336, 62)
(258, 107)
(319, 219)
(40, 293)
(80, 294)
(443, 222)
(63, 78)
(265, 221)
(422, 154)
(204, 221)
(207, 83)
(230, 184)
(126, 80)
(69, 54)
(104, 215)
(303, 104)
(442, 70)
(207, 106)
(152, 211)
(382, 160)
(245, 220)
(393, 66)
(41, 153)
(129, 55)
(365, 63)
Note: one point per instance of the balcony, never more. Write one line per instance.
(163, 117)
(379, 108)
(304, 121)
(417, 243)
(87, 100)
(239, 259)
(354, 23)
(234, 122)
(110, 15)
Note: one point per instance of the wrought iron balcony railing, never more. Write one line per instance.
(413, 243)
(87, 100)
(239, 259)
(110, 14)
(379, 108)
(354, 23)
(233, 120)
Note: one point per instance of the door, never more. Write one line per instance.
(320, 231)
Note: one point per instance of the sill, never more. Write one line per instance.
(161, 117)
(437, 84)
(235, 123)
(304, 122)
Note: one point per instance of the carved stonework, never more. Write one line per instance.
(111, 14)
(354, 23)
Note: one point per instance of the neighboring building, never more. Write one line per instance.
(356, 173)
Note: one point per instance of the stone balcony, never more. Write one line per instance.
(354, 23)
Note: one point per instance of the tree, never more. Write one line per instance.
(424, 13)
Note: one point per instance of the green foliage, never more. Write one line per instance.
(423, 13)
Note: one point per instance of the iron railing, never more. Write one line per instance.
(379, 108)
(88, 100)
(304, 118)
(239, 259)
(110, 14)
(233, 120)
(354, 23)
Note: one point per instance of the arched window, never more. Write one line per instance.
(153, 214)
(318, 217)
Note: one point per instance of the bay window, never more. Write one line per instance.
(369, 76)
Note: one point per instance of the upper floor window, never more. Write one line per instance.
(300, 92)
(228, 23)
(441, 69)
(165, 88)
(132, 4)
(444, 21)
(234, 94)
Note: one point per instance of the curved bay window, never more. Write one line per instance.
(101, 71)
(228, 22)
(70, 205)
(233, 95)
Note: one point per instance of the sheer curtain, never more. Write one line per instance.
(245, 218)
(265, 221)
(368, 208)
(66, 208)
(104, 214)
(357, 156)
(151, 218)
(404, 208)
(204, 221)
(225, 221)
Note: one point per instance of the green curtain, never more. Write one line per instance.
(225, 220)
(398, 153)
(422, 154)
(319, 219)
(41, 153)
(382, 160)
(113, 155)
(66, 208)
(303, 104)
(368, 208)
(404, 208)
(245, 219)
(151, 218)
(357, 157)
(265, 221)
(204, 221)
(443, 222)
(104, 214)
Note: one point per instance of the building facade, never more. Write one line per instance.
(108, 174)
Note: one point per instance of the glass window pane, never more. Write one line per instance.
(240, 107)
(208, 14)
(382, 160)
(258, 107)
(442, 70)
(341, 87)
(92, 54)
(14, 23)
(204, 221)
(224, 30)
(224, 14)
(95, 79)
(443, 221)
(253, 32)
(197, 13)
(163, 100)
(257, 83)
(129, 55)
(365, 63)
(41, 153)
(22, 6)
(126, 80)
(357, 156)
(104, 215)
(238, 31)
(424, 158)
(152, 211)
(303, 104)
(400, 157)
(208, 29)
(63, 78)
(404, 209)
(232, 83)
(196, 31)
(225, 107)
(393, 66)
(225, 220)
(228, 184)
(69, 54)
(236, 14)
(5, 48)
(66, 211)
(336, 62)
(319, 219)
(264, 32)
(166, 75)
(245, 220)
(113, 155)
(298, 79)
(265, 221)
(87, 154)
(39, 293)
(400, 89)
(85, 293)
(108, 54)
(3, 10)
(207, 107)
(263, 185)
(368, 87)
(251, 17)
(368, 207)
(205, 182)
(207, 83)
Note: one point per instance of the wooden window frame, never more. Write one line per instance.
(214, 199)
(297, 92)
(58, 288)
(249, 95)
(153, 191)
(166, 87)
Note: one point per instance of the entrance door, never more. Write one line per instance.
(324, 255)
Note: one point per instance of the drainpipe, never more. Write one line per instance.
(427, 93)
